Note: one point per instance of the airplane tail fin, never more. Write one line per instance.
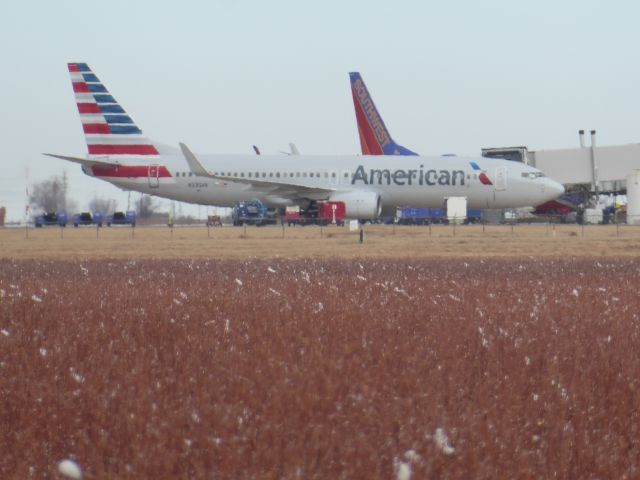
(108, 129)
(374, 136)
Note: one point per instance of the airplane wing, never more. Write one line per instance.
(281, 188)
(85, 161)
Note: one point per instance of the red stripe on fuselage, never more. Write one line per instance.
(88, 108)
(80, 87)
(368, 142)
(96, 128)
(484, 179)
(122, 150)
(129, 171)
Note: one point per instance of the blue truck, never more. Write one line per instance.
(425, 216)
(252, 212)
(51, 218)
(122, 218)
(420, 216)
(85, 218)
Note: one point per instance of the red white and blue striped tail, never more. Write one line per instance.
(108, 129)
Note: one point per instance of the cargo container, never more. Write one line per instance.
(457, 209)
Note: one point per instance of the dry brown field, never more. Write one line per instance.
(316, 242)
(246, 355)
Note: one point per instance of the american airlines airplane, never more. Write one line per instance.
(121, 154)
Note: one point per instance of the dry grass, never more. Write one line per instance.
(320, 369)
(313, 242)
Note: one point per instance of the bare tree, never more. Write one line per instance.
(102, 205)
(51, 195)
(146, 206)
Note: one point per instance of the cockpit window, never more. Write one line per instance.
(532, 175)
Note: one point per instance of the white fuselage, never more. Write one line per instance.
(412, 180)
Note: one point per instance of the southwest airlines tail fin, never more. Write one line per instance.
(108, 130)
(374, 136)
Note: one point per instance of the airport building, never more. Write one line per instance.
(591, 170)
(598, 169)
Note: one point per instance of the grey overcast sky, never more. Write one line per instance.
(221, 75)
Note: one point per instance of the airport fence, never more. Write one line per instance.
(547, 226)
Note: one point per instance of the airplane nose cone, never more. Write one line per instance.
(549, 190)
(555, 188)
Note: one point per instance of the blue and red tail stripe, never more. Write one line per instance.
(103, 118)
(129, 171)
(122, 150)
(374, 136)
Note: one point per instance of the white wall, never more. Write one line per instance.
(573, 165)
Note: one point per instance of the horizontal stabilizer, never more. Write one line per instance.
(84, 161)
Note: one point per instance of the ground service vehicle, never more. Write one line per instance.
(122, 218)
(251, 212)
(214, 221)
(85, 218)
(425, 216)
(420, 216)
(52, 218)
(318, 213)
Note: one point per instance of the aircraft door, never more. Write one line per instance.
(501, 179)
(153, 174)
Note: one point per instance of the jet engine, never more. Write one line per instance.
(359, 204)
